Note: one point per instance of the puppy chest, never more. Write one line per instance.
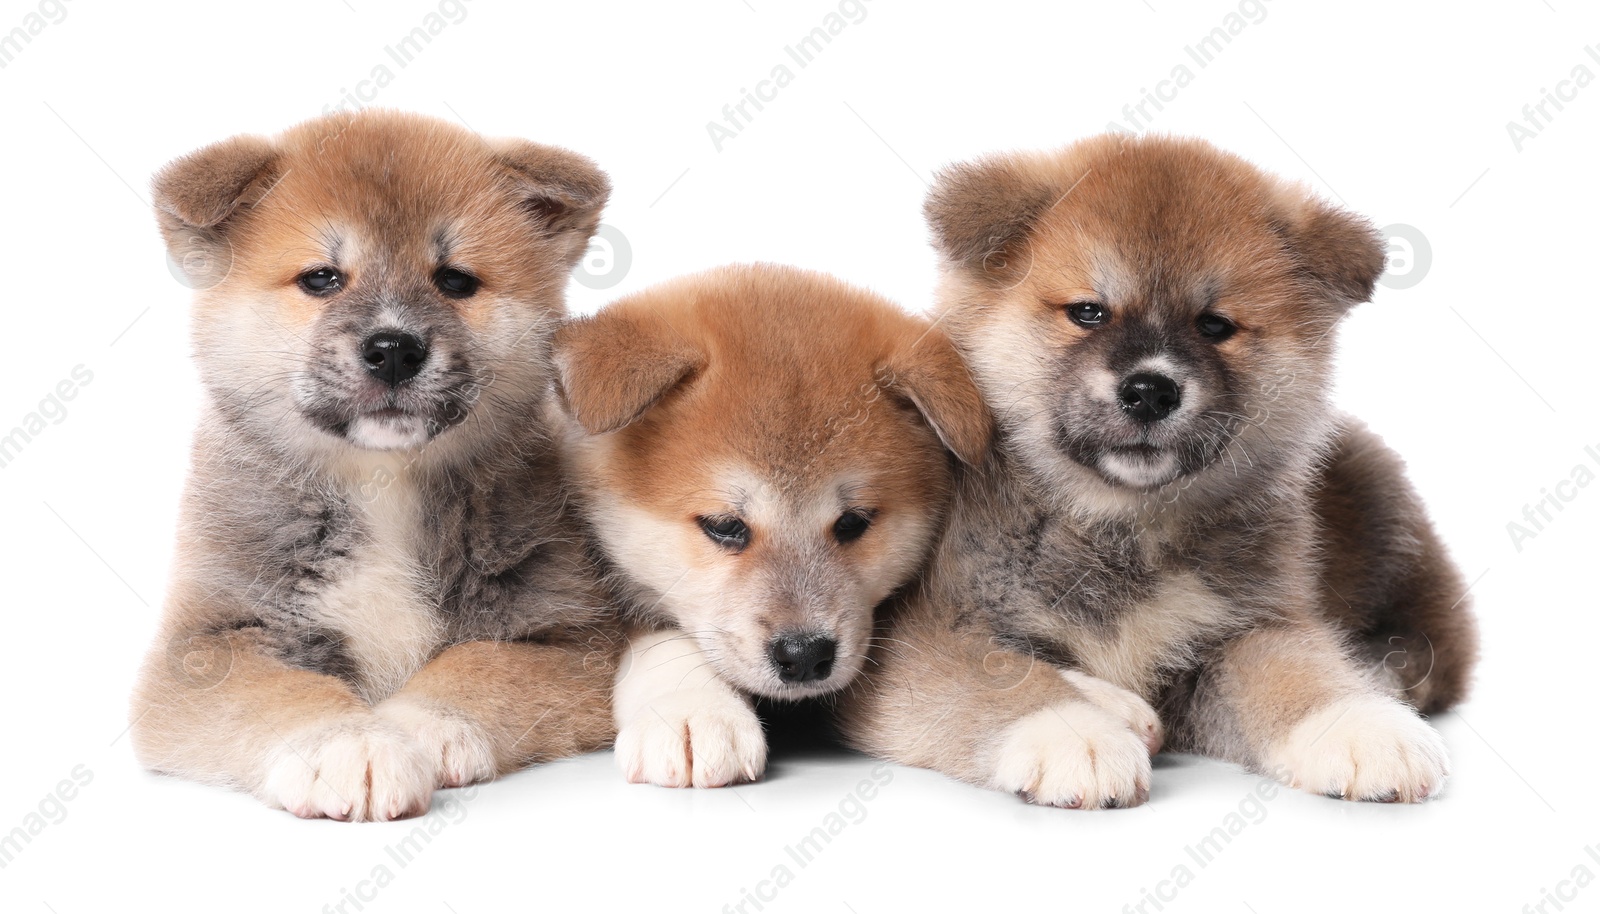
(1166, 631)
(379, 607)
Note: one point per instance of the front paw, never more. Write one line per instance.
(1121, 703)
(357, 770)
(693, 739)
(461, 753)
(1074, 755)
(1365, 748)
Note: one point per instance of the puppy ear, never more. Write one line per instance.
(563, 191)
(612, 367)
(1340, 251)
(930, 375)
(196, 194)
(981, 212)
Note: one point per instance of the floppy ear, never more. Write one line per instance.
(930, 375)
(612, 367)
(563, 191)
(982, 211)
(1340, 251)
(195, 195)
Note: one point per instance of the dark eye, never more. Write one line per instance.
(1087, 313)
(456, 283)
(850, 525)
(728, 532)
(1214, 327)
(321, 281)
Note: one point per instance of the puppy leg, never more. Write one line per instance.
(221, 708)
(1286, 700)
(1388, 578)
(483, 708)
(954, 701)
(679, 724)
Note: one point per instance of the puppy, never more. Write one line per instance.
(765, 456)
(378, 588)
(1176, 508)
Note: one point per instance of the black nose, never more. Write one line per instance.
(394, 358)
(803, 657)
(1149, 397)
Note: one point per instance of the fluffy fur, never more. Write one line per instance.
(779, 404)
(1254, 564)
(379, 589)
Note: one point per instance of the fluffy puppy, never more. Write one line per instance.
(765, 456)
(1176, 508)
(379, 588)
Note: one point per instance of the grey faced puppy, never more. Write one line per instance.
(378, 590)
(1176, 508)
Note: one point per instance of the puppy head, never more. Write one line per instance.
(365, 277)
(767, 455)
(1140, 311)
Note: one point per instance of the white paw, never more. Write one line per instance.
(1074, 755)
(698, 738)
(461, 753)
(356, 770)
(1365, 748)
(1133, 710)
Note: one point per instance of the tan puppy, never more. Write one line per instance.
(765, 456)
(378, 590)
(1177, 509)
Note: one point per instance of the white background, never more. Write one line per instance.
(1481, 373)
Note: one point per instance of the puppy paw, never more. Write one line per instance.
(1364, 748)
(1121, 703)
(1074, 755)
(460, 751)
(699, 738)
(357, 771)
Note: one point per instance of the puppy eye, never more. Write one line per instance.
(727, 532)
(851, 525)
(1087, 313)
(1214, 327)
(321, 281)
(455, 283)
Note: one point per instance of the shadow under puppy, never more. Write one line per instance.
(378, 590)
(765, 456)
(1176, 506)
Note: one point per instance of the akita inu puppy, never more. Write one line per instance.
(1176, 507)
(765, 455)
(379, 586)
